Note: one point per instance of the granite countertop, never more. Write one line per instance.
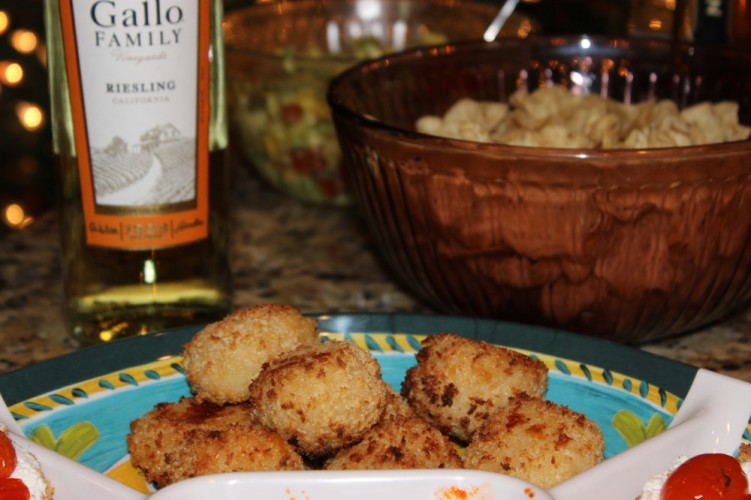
(317, 259)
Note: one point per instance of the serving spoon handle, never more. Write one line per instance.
(499, 20)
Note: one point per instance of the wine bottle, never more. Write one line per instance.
(714, 22)
(711, 22)
(139, 139)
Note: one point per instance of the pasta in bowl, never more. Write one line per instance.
(624, 244)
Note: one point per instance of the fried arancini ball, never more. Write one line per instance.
(396, 406)
(458, 381)
(176, 441)
(399, 443)
(536, 440)
(744, 452)
(320, 397)
(222, 359)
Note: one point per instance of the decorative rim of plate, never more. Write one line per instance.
(380, 342)
(91, 362)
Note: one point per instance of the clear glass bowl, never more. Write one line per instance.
(627, 245)
(281, 57)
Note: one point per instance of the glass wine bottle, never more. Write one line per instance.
(139, 138)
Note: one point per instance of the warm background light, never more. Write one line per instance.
(15, 216)
(30, 115)
(27, 180)
(24, 41)
(655, 24)
(4, 21)
(11, 73)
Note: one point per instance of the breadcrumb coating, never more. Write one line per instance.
(396, 406)
(399, 443)
(223, 359)
(270, 395)
(744, 452)
(320, 397)
(176, 441)
(536, 440)
(458, 381)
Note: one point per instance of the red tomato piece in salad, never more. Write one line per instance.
(292, 113)
(308, 161)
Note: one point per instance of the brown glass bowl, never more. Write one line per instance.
(627, 245)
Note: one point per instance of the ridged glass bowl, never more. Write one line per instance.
(626, 245)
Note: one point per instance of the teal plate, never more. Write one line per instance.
(81, 404)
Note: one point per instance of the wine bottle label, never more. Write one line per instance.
(138, 75)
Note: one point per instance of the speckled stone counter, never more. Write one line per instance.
(317, 259)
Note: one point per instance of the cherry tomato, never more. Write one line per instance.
(7, 456)
(13, 489)
(712, 476)
(292, 113)
(328, 188)
(307, 161)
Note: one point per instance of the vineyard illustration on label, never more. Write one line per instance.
(158, 169)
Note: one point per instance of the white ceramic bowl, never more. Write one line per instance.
(347, 485)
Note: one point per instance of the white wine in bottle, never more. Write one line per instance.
(139, 136)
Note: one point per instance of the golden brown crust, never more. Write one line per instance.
(399, 443)
(49, 491)
(222, 359)
(320, 397)
(744, 452)
(536, 440)
(396, 406)
(176, 441)
(459, 381)
(325, 404)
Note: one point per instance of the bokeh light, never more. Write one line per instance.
(30, 115)
(655, 24)
(4, 21)
(15, 216)
(24, 41)
(11, 73)
(27, 180)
